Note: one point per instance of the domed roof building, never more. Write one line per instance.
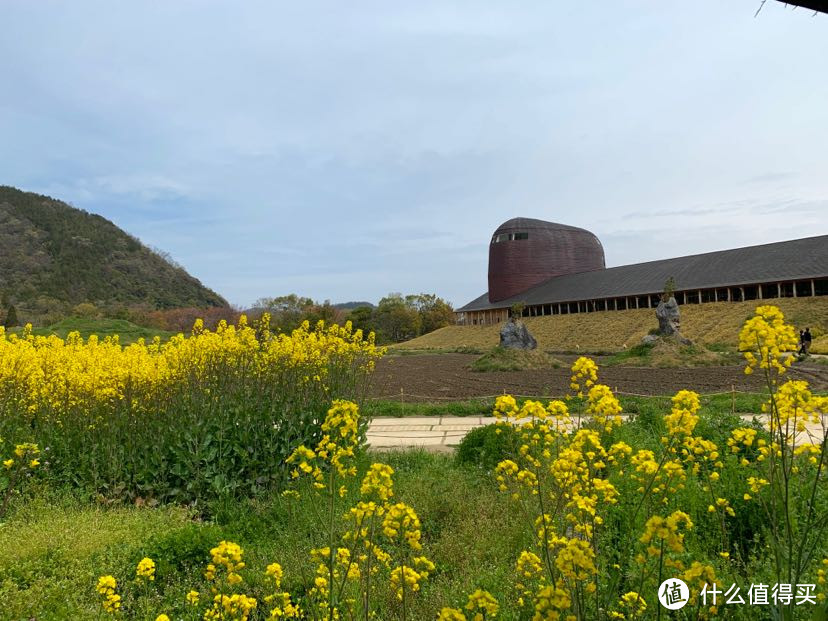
(556, 269)
(525, 252)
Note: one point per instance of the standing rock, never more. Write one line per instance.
(515, 335)
(669, 324)
(669, 319)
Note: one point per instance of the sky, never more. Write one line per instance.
(345, 150)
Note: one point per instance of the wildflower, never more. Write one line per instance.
(483, 605)
(667, 530)
(405, 577)
(584, 375)
(528, 564)
(682, 419)
(550, 601)
(378, 482)
(192, 598)
(236, 606)
(450, 614)
(145, 569)
(604, 407)
(401, 522)
(505, 405)
(575, 560)
(633, 604)
(228, 555)
(106, 587)
(765, 339)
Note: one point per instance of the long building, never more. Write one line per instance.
(554, 269)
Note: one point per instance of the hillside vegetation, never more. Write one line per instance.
(126, 331)
(53, 257)
(614, 330)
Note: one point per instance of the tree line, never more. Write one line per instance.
(394, 319)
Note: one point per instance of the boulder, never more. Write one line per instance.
(650, 339)
(515, 335)
(669, 323)
(669, 317)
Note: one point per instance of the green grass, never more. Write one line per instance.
(738, 402)
(52, 551)
(671, 354)
(470, 407)
(127, 332)
(503, 359)
(53, 547)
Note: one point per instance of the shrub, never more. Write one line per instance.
(486, 446)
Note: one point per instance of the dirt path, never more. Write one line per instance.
(438, 377)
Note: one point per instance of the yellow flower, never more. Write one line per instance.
(584, 375)
(106, 585)
(401, 523)
(766, 340)
(378, 482)
(145, 569)
(483, 605)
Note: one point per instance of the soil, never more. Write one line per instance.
(437, 377)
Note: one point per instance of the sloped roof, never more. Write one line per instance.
(814, 5)
(780, 261)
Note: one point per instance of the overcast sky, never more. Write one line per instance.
(343, 150)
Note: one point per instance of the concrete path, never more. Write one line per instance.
(444, 433)
(435, 433)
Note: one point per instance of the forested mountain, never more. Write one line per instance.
(54, 256)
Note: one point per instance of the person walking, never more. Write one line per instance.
(806, 341)
(801, 341)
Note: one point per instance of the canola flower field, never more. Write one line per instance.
(212, 414)
(582, 518)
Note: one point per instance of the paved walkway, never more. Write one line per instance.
(443, 433)
(436, 433)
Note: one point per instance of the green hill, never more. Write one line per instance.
(54, 256)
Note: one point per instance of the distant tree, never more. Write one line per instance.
(434, 312)
(326, 312)
(287, 312)
(516, 311)
(11, 317)
(669, 289)
(397, 320)
(362, 318)
(85, 309)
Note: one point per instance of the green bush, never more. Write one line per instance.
(485, 447)
(183, 549)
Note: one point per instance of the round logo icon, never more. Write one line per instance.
(673, 593)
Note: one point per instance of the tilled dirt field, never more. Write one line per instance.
(437, 377)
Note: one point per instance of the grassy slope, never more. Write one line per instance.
(127, 332)
(613, 330)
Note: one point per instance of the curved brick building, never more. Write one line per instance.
(555, 269)
(525, 252)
